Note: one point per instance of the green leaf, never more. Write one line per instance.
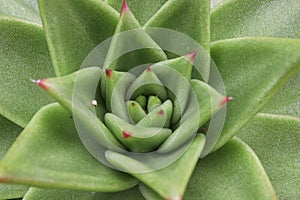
(147, 84)
(24, 55)
(233, 172)
(142, 10)
(76, 92)
(239, 18)
(286, 101)
(275, 139)
(135, 111)
(113, 89)
(170, 182)
(89, 23)
(25, 9)
(159, 116)
(124, 55)
(8, 133)
(153, 102)
(253, 70)
(186, 16)
(136, 138)
(50, 194)
(39, 155)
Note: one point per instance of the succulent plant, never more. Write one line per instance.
(141, 110)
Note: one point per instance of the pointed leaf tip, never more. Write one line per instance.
(225, 101)
(148, 69)
(161, 112)
(126, 134)
(108, 72)
(191, 56)
(125, 8)
(41, 83)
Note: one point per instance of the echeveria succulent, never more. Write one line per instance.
(142, 111)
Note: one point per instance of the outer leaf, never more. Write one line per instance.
(170, 182)
(50, 194)
(76, 93)
(286, 101)
(142, 10)
(25, 9)
(138, 47)
(253, 69)
(39, 155)
(24, 55)
(8, 133)
(276, 141)
(190, 17)
(239, 18)
(233, 172)
(89, 22)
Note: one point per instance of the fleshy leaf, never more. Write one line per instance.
(186, 16)
(141, 49)
(275, 139)
(147, 84)
(25, 9)
(209, 100)
(242, 18)
(153, 102)
(76, 92)
(8, 133)
(38, 157)
(89, 23)
(142, 100)
(135, 111)
(286, 101)
(233, 172)
(185, 109)
(24, 55)
(253, 75)
(136, 138)
(113, 88)
(159, 116)
(171, 181)
(50, 194)
(142, 10)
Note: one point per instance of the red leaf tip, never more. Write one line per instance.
(125, 8)
(126, 134)
(108, 72)
(225, 100)
(192, 56)
(148, 69)
(41, 83)
(161, 112)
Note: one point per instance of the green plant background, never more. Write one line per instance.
(253, 67)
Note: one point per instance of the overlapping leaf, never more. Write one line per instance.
(18, 63)
(89, 23)
(39, 155)
(253, 75)
(232, 172)
(275, 139)
(8, 133)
